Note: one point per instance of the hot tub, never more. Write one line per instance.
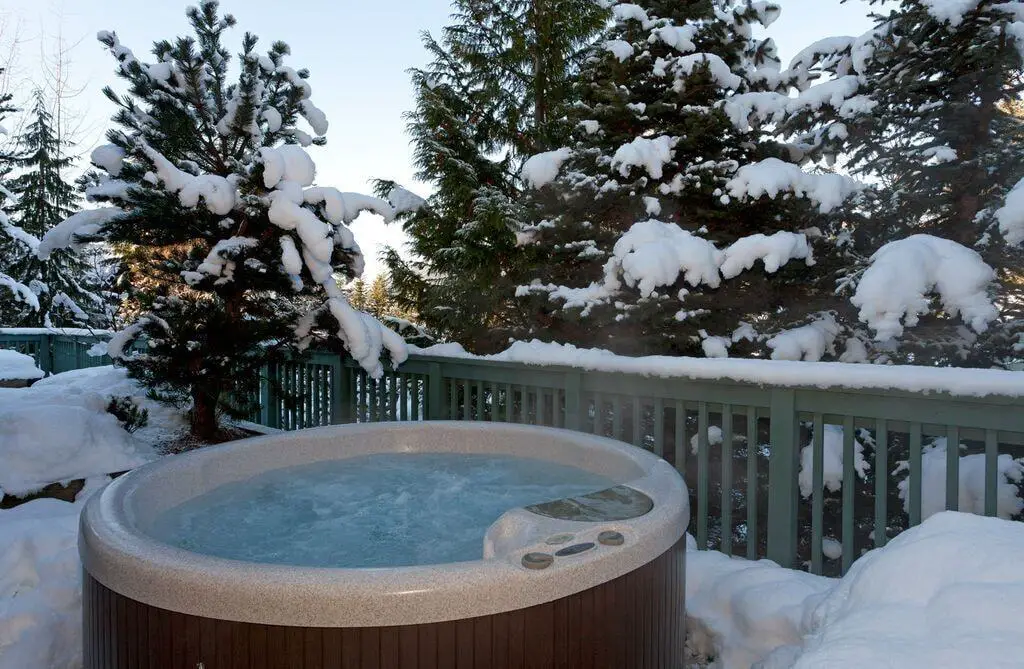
(593, 580)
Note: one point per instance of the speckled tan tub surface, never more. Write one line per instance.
(118, 553)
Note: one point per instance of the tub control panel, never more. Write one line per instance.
(572, 545)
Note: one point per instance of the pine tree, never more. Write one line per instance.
(379, 298)
(496, 91)
(67, 293)
(648, 230)
(210, 179)
(14, 295)
(357, 295)
(922, 106)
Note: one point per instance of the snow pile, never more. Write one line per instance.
(17, 366)
(58, 429)
(542, 168)
(218, 194)
(773, 176)
(948, 593)
(894, 290)
(785, 373)
(109, 157)
(652, 254)
(83, 223)
(41, 584)
(1011, 214)
(621, 49)
(971, 497)
(651, 154)
(809, 342)
(773, 250)
(739, 611)
(832, 461)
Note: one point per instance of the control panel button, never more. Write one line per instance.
(537, 560)
(575, 549)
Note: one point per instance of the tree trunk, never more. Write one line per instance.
(204, 415)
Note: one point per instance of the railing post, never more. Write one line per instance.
(270, 412)
(434, 386)
(341, 393)
(573, 399)
(45, 353)
(782, 479)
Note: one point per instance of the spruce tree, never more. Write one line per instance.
(207, 174)
(68, 294)
(496, 91)
(922, 107)
(14, 295)
(669, 224)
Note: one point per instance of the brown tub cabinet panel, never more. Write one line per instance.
(633, 622)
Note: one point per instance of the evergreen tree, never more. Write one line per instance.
(67, 293)
(209, 176)
(923, 107)
(495, 91)
(14, 295)
(357, 296)
(647, 230)
(379, 298)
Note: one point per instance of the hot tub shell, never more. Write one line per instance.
(149, 604)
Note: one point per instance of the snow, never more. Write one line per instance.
(1011, 214)
(220, 260)
(950, 11)
(808, 342)
(773, 176)
(679, 38)
(630, 12)
(108, 157)
(14, 365)
(217, 192)
(72, 332)
(40, 583)
(971, 497)
(651, 154)
(652, 254)
(314, 116)
(621, 49)
(273, 119)
(58, 429)
(894, 290)
(83, 223)
(773, 250)
(832, 461)
(960, 608)
(290, 258)
(542, 168)
(784, 373)
(684, 66)
(714, 439)
(287, 163)
(403, 200)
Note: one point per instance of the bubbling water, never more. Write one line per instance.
(382, 510)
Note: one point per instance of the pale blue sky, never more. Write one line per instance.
(356, 50)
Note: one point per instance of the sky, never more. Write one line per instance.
(358, 53)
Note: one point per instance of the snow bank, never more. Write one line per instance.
(41, 583)
(948, 593)
(910, 378)
(894, 291)
(59, 429)
(14, 366)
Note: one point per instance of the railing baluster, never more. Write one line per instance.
(509, 403)
(991, 472)
(479, 400)
(726, 500)
(881, 480)
(541, 414)
(598, 414)
(818, 493)
(915, 474)
(659, 427)
(679, 444)
(952, 468)
(495, 401)
(617, 418)
(702, 476)
(752, 483)
(849, 488)
(637, 427)
(453, 400)
(403, 396)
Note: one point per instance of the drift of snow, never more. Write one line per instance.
(808, 342)
(652, 254)
(14, 365)
(542, 168)
(1011, 214)
(971, 498)
(773, 176)
(651, 154)
(832, 461)
(894, 291)
(773, 250)
(911, 378)
(83, 223)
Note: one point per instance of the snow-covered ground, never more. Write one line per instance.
(949, 593)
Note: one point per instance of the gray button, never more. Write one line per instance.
(556, 539)
(537, 560)
(575, 549)
(611, 538)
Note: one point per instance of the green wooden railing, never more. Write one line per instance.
(744, 481)
(55, 353)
